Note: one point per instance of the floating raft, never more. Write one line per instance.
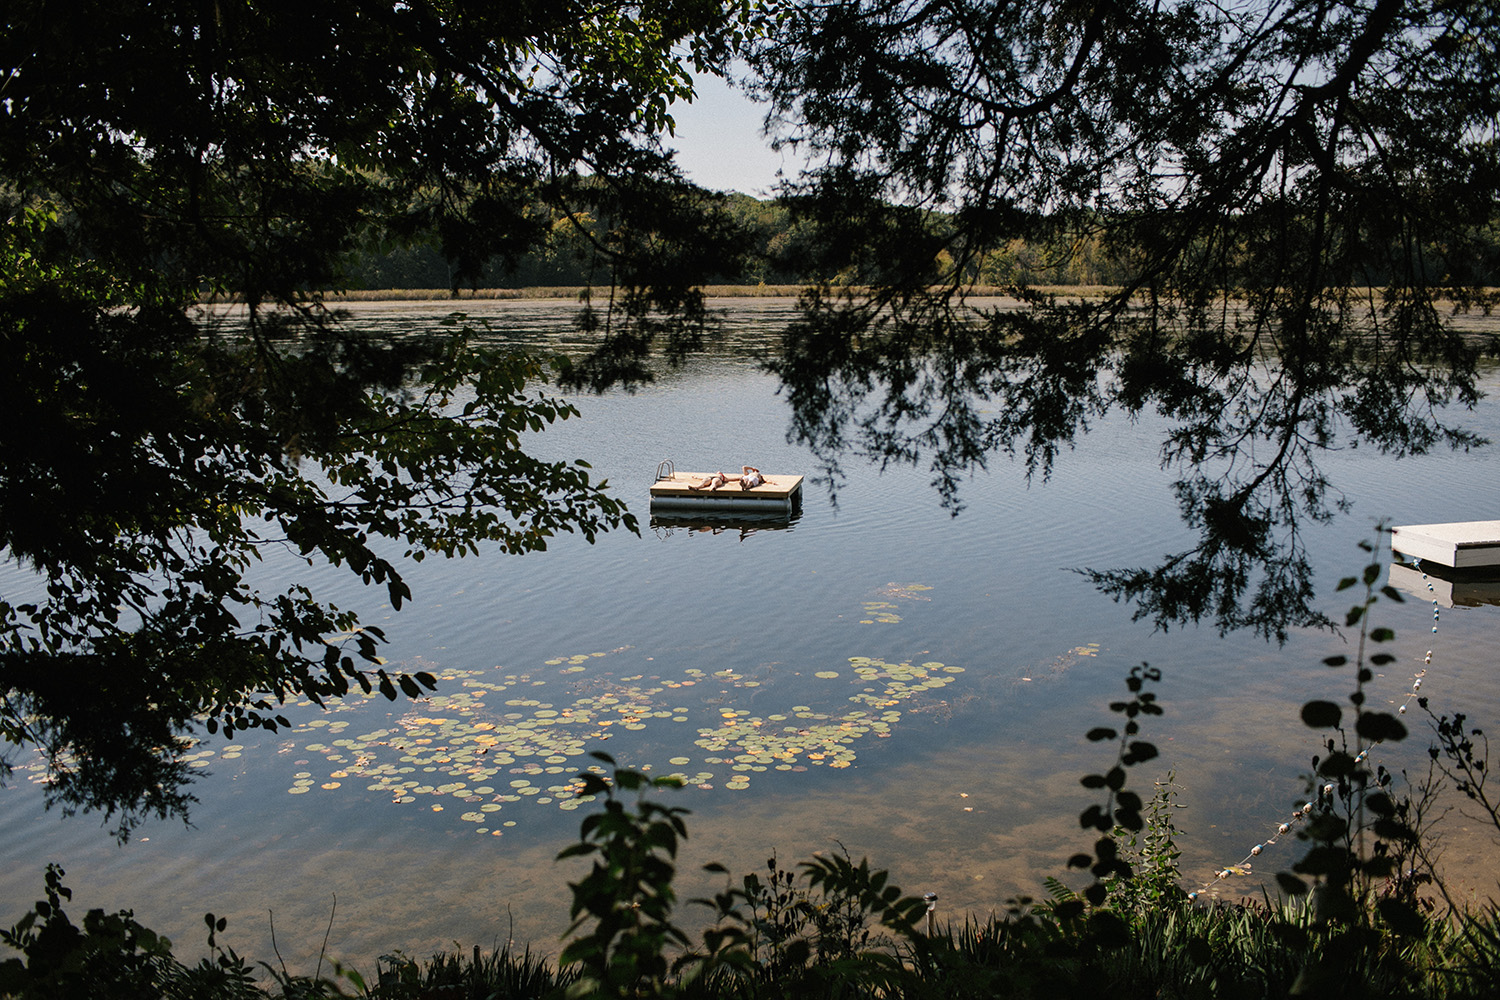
(673, 491)
(1459, 545)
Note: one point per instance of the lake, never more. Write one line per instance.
(873, 675)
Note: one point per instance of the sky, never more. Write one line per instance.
(719, 144)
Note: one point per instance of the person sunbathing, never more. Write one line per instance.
(713, 482)
(750, 477)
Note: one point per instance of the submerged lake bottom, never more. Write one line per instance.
(872, 676)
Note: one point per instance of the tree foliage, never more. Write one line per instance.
(153, 156)
(1288, 184)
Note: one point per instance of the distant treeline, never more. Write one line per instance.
(779, 252)
(783, 249)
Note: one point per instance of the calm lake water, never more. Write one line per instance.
(874, 676)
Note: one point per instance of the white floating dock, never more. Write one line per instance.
(674, 492)
(1460, 545)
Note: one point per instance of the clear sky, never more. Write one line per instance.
(719, 144)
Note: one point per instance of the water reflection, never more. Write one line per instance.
(667, 523)
(1446, 587)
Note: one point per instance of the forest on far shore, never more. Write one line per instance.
(783, 250)
(780, 250)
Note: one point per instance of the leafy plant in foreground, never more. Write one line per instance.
(1354, 821)
(829, 930)
(1361, 832)
(111, 957)
(1121, 807)
(1460, 754)
(1152, 852)
(628, 893)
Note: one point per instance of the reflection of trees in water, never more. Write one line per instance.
(1255, 397)
(1252, 171)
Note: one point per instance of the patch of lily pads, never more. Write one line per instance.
(489, 741)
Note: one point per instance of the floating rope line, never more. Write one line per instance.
(1416, 684)
(1325, 791)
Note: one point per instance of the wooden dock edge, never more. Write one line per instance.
(1457, 544)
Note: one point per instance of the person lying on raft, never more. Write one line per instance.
(713, 482)
(749, 478)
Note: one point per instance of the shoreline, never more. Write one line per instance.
(577, 292)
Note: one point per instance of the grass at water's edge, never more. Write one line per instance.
(1183, 952)
(793, 942)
